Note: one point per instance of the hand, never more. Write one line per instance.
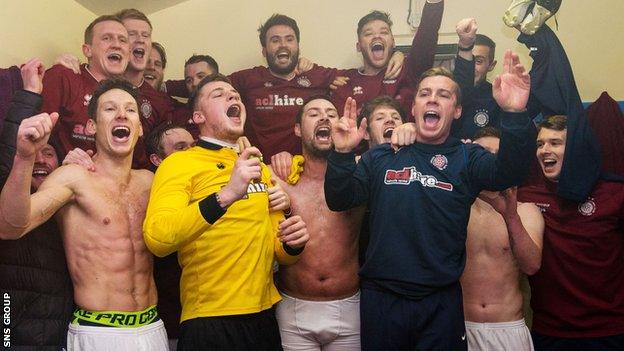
(246, 169)
(338, 82)
(303, 66)
(511, 88)
(293, 232)
(243, 143)
(69, 61)
(395, 65)
(33, 134)
(467, 32)
(403, 135)
(32, 75)
(278, 198)
(345, 132)
(281, 163)
(505, 202)
(80, 157)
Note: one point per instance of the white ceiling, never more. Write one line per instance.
(100, 7)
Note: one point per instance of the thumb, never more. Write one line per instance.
(363, 126)
(497, 83)
(54, 116)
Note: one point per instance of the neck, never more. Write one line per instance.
(369, 70)
(118, 168)
(314, 167)
(95, 73)
(134, 77)
(287, 76)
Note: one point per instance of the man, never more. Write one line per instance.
(165, 140)
(376, 44)
(504, 239)
(100, 215)
(212, 206)
(416, 255)
(33, 269)
(320, 297)
(156, 64)
(196, 68)
(577, 296)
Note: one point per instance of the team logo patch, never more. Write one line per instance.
(268, 84)
(410, 174)
(86, 100)
(358, 90)
(220, 165)
(588, 207)
(481, 118)
(304, 81)
(146, 109)
(439, 161)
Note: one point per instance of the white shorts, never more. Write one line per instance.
(499, 336)
(151, 337)
(319, 325)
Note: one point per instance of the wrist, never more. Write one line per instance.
(465, 46)
(514, 110)
(225, 198)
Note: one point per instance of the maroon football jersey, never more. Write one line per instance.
(420, 58)
(273, 102)
(579, 290)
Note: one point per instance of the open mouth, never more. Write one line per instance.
(121, 133)
(322, 133)
(40, 172)
(283, 55)
(148, 76)
(138, 53)
(387, 133)
(114, 57)
(377, 50)
(233, 111)
(549, 164)
(431, 118)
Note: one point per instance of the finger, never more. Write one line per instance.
(296, 239)
(363, 126)
(353, 110)
(243, 143)
(250, 152)
(347, 107)
(289, 227)
(332, 87)
(54, 117)
(507, 64)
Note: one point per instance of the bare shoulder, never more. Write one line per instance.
(143, 177)
(69, 176)
(529, 210)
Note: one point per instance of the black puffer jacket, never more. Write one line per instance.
(33, 270)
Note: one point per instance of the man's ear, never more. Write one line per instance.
(90, 127)
(140, 129)
(198, 118)
(86, 50)
(264, 53)
(367, 135)
(155, 160)
(458, 111)
(298, 129)
(492, 65)
(358, 47)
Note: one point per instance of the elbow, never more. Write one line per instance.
(156, 247)
(533, 267)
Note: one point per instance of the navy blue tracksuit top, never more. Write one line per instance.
(420, 200)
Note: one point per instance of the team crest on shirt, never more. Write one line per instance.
(304, 81)
(408, 175)
(268, 84)
(146, 109)
(481, 118)
(588, 207)
(439, 161)
(87, 99)
(358, 90)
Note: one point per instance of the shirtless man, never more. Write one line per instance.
(320, 306)
(504, 240)
(100, 214)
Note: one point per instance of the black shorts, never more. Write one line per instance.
(551, 343)
(256, 331)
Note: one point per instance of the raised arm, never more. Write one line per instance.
(19, 211)
(422, 53)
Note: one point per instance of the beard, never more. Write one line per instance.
(273, 66)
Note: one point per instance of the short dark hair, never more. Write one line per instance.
(110, 84)
(133, 14)
(161, 51)
(383, 100)
(372, 16)
(88, 34)
(486, 41)
(555, 122)
(195, 94)
(299, 114)
(487, 132)
(275, 20)
(154, 138)
(203, 58)
(444, 72)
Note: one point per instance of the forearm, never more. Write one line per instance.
(517, 147)
(343, 190)
(15, 199)
(422, 53)
(525, 250)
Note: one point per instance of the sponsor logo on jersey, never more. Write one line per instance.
(86, 99)
(542, 206)
(269, 102)
(304, 81)
(588, 207)
(358, 90)
(146, 109)
(481, 118)
(409, 174)
(439, 161)
(257, 187)
(389, 81)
